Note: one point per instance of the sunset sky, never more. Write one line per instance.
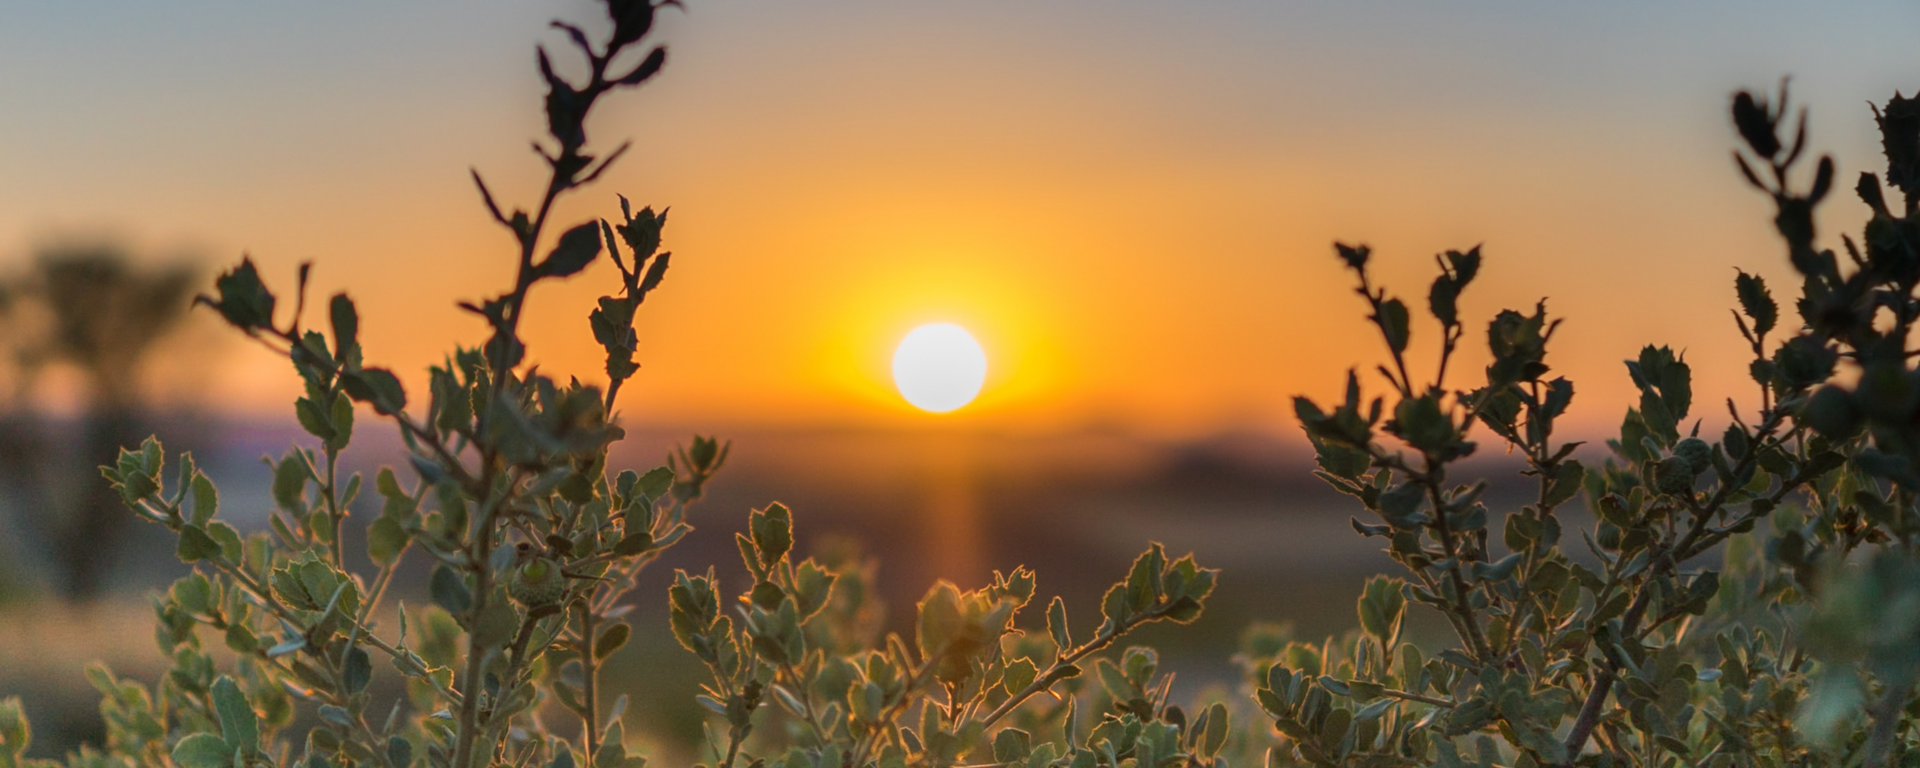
(1130, 204)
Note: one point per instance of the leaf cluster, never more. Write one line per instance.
(1629, 645)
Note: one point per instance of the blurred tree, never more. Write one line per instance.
(89, 307)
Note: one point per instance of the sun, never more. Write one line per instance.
(939, 367)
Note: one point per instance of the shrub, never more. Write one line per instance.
(1800, 646)
(534, 543)
(1645, 651)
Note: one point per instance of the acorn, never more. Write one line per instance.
(1674, 474)
(1698, 454)
(537, 582)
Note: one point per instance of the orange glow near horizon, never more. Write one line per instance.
(1131, 206)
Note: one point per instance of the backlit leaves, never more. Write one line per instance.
(244, 300)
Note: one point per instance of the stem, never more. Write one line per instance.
(887, 714)
(733, 748)
(1597, 698)
(1886, 724)
(264, 595)
(1047, 679)
(1691, 544)
(380, 584)
(1438, 702)
(1450, 338)
(590, 674)
(799, 689)
(1475, 638)
(476, 658)
(1522, 612)
(1405, 384)
(333, 506)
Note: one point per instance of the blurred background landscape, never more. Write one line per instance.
(1130, 204)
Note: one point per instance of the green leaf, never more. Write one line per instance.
(386, 539)
(655, 273)
(1676, 388)
(813, 585)
(227, 538)
(1115, 681)
(358, 670)
(1139, 664)
(577, 248)
(387, 484)
(16, 732)
(1393, 323)
(346, 327)
(1214, 736)
(290, 478)
(244, 300)
(633, 544)
(450, 591)
(239, 726)
(613, 749)
(656, 483)
(193, 593)
(1382, 606)
(1057, 625)
(1373, 711)
(342, 423)
(1757, 302)
(195, 544)
(399, 752)
(940, 619)
(865, 701)
(772, 533)
(315, 420)
(766, 595)
(1113, 605)
(203, 750)
(611, 639)
(136, 486)
(377, 387)
(241, 639)
(1442, 298)
(1566, 483)
(1144, 585)
(151, 455)
(1020, 674)
(1012, 745)
(1500, 570)
(206, 500)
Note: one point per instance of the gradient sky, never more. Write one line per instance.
(1131, 204)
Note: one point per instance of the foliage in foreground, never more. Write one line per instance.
(1628, 647)
(281, 656)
